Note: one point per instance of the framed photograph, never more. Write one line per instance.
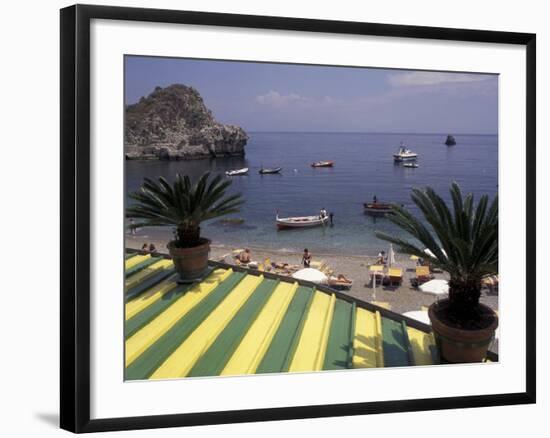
(270, 218)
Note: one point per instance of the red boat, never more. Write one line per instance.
(376, 208)
(323, 164)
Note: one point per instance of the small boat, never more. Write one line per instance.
(450, 141)
(237, 172)
(377, 208)
(404, 154)
(300, 221)
(267, 171)
(323, 164)
(410, 164)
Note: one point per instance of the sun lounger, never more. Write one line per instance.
(423, 274)
(395, 276)
(378, 272)
(338, 283)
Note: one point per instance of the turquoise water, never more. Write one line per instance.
(363, 167)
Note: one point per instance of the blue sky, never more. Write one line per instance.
(282, 97)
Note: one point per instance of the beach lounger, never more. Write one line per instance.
(395, 276)
(339, 284)
(378, 271)
(422, 274)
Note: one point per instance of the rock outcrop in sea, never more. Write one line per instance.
(173, 123)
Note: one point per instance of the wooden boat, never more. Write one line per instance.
(410, 164)
(300, 221)
(450, 141)
(268, 171)
(323, 164)
(237, 172)
(377, 208)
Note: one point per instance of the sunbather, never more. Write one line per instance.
(244, 257)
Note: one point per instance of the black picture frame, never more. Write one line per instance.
(75, 217)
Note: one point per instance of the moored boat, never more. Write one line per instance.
(377, 208)
(237, 172)
(450, 141)
(404, 154)
(300, 221)
(268, 171)
(323, 164)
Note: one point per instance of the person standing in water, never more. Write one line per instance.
(331, 216)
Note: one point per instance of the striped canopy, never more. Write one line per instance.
(242, 322)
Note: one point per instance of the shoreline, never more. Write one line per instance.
(160, 242)
(401, 299)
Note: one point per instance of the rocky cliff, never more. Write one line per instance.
(173, 123)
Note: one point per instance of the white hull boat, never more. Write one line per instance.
(300, 221)
(237, 172)
(404, 154)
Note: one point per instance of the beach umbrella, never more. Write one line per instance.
(312, 275)
(435, 287)
(391, 256)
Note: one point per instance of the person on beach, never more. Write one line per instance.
(153, 249)
(132, 227)
(244, 256)
(381, 260)
(306, 258)
(144, 249)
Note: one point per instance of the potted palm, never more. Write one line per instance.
(184, 205)
(464, 243)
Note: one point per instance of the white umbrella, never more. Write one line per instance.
(391, 256)
(435, 287)
(310, 274)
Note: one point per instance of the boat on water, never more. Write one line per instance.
(450, 141)
(323, 164)
(270, 171)
(412, 164)
(404, 154)
(237, 172)
(300, 221)
(377, 208)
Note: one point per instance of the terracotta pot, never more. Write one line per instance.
(191, 263)
(459, 345)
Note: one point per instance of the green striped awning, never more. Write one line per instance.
(246, 322)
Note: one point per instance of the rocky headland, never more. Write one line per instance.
(173, 123)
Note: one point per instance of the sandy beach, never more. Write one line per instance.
(400, 299)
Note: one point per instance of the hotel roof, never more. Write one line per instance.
(238, 321)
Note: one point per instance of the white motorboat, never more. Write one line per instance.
(300, 221)
(404, 154)
(237, 172)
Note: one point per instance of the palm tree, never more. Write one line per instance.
(183, 205)
(463, 242)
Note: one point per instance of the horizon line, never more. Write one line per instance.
(365, 132)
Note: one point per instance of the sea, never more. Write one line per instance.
(364, 167)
